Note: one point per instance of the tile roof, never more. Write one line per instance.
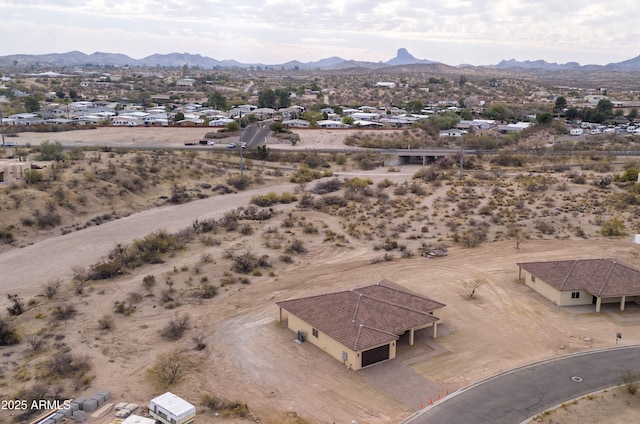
(365, 317)
(600, 277)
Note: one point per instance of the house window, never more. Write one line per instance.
(314, 332)
(533, 278)
(575, 295)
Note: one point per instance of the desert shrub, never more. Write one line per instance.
(63, 312)
(239, 182)
(508, 159)
(32, 176)
(146, 250)
(179, 194)
(176, 327)
(247, 262)
(50, 289)
(8, 334)
(205, 226)
(6, 235)
(168, 369)
(630, 380)
(46, 220)
(206, 291)
(105, 322)
(35, 342)
(246, 229)
(427, 174)
(148, 282)
(327, 186)
(629, 175)
(305, 175)
(225, 408)
(16, 306)
(51, 151)
(198, 340)
(613, 228)
(296, 246)
(545, 227)
(67, 365)
(123, 308)
(265, 200)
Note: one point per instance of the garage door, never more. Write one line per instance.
(375, 355)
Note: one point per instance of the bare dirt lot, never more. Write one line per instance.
(251, 358)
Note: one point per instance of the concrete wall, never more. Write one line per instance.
(11, 171)
(584, 298)
(326, 343)
(541, 287)
(560, 298)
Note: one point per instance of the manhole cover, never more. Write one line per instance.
(576, 379)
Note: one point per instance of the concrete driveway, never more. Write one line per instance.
(515, 396)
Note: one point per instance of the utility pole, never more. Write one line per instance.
(461, 154)
(240, 144)
(2, 128)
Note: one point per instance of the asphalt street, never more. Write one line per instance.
(514, 396)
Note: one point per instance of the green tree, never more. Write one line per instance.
(178, 117)
(73, 94)
(466, 114)
(544, 118)
(276, 126)
(267, 98)
(572, 113)
(283, 97)
(445, 120)
(348, 120)
(233, 126)
(498, 111)
(462, 81)
(31, 104)
(633, 114)
(605, 107)
(560, 105)
(218, 101)
(414, 106)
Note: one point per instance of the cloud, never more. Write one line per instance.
(273, 31)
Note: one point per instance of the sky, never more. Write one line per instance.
(454, 32)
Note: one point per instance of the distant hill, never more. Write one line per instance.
(536, 64)
(174, 60)
(403, 57)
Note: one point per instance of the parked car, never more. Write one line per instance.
(243, 145)
(211, 143)
(231, 145)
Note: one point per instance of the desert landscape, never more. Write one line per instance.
(333, 233)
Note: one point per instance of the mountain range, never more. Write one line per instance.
(402, 58)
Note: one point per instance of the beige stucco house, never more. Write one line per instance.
(583, 281)
(361, 327)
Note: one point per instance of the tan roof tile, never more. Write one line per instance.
(600, 277)
(365, 317)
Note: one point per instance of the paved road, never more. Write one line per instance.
(515, 396)
(29, 267)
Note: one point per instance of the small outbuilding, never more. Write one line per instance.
(171, 409)
(361, 327)
(583, 281)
